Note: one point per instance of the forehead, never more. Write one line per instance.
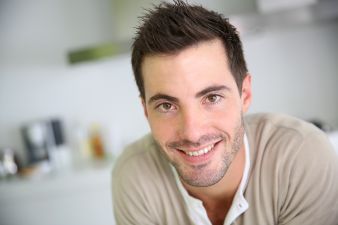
(191, 69)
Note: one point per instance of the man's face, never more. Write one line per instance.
(195, 110)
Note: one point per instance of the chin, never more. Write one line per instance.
(203, 175)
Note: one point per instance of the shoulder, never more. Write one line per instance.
(134, 150)
(287, 137)
(277, 122)
(267, 129)
(294, 163)
(142, 168)
(138, 157)
(287, 144)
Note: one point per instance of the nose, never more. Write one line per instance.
(191, 124)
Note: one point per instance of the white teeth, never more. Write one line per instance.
(200, 152)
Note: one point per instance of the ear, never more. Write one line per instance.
(246, 93)
(144, 107)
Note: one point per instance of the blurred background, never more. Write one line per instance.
(68, 102)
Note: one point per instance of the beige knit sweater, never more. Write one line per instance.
(293, 178)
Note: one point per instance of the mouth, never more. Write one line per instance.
(198, 152)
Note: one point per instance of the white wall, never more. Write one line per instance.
(294, 70)
(43, 31)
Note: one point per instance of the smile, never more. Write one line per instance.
(199, 152)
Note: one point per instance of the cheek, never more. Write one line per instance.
(162, 130)
(226, 118)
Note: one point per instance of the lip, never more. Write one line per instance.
(201, 158)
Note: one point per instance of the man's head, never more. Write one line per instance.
(170, 28)
(191, 96)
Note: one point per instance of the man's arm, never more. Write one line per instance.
(311, 196)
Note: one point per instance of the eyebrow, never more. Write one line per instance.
(212, 89)
(198, 94)
(162, 96)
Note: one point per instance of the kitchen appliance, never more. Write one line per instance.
(41, 138)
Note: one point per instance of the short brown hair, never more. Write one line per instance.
(170, 28)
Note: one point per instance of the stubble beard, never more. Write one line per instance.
(201, 175)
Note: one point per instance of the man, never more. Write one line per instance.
(204, 162)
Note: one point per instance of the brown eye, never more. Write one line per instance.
(165, 107)
(213, 98)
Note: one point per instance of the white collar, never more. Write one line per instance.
(239, 205)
